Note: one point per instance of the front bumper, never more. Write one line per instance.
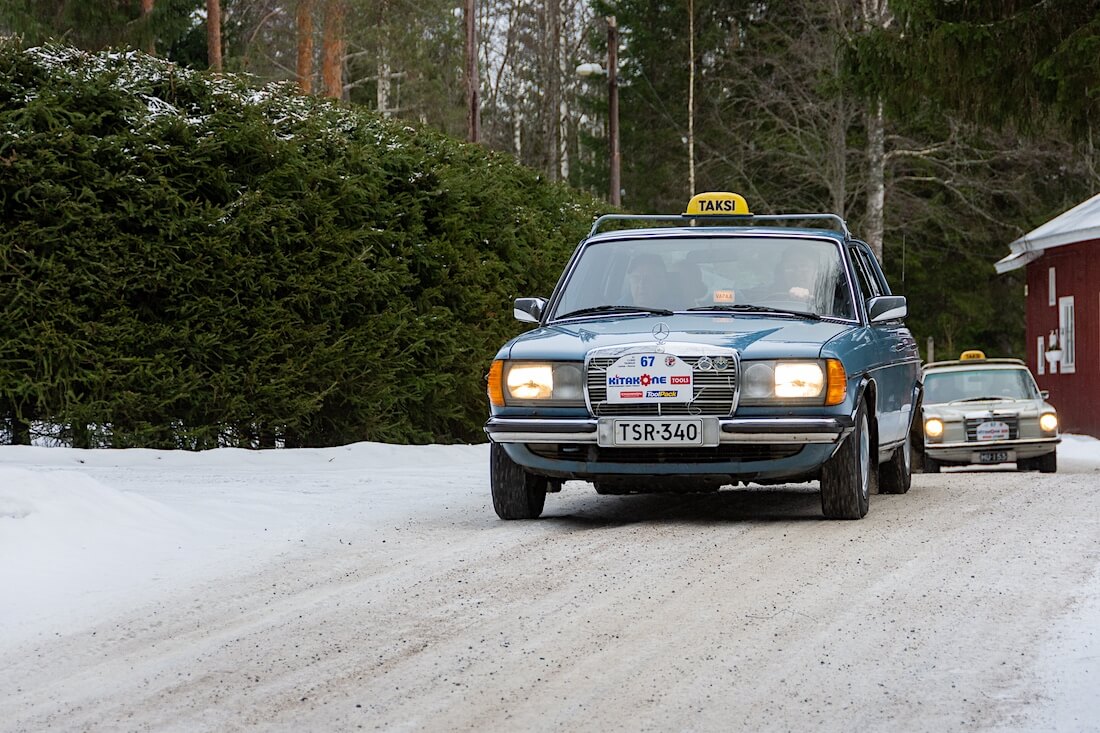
(967, 452)
(748, 448)
(769, 431)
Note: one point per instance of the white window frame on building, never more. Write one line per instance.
(1067, 336)
(1041, 355)
(1051, 290)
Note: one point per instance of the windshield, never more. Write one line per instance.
(974, 384)
(709, 273)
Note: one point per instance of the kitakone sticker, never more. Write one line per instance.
(665, 377)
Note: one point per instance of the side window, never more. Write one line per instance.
(868, 286)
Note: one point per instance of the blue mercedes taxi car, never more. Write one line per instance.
(708, 349)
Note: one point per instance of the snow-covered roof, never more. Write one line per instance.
(1079, 224)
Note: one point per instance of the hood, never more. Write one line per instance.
(984, 408)
(756, 337)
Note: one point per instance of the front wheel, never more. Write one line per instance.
(848, 478)
(517, 494)
(1048, 463)
(896, 475)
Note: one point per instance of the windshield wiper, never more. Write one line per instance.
(617, 309)
(747, 308)
(979, 399)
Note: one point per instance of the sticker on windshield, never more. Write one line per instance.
(723, 296)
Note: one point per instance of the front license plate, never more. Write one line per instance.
(687, 431)
(993, 456)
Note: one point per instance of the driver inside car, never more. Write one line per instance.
(648, 281)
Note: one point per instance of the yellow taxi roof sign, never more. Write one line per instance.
(718, 203)
(971, 354)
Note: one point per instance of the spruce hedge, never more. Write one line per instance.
(187, 261)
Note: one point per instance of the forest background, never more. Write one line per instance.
(940, 130)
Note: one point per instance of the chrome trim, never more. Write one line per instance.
(731, 430)
(992, 445)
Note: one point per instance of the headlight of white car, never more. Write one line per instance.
(1049, 422)
(933, 428)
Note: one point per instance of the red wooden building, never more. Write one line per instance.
(1062, 258)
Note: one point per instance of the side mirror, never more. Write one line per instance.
(1045, 394)
(887, 308)
(528, 310)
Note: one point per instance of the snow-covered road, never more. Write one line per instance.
(373, 586)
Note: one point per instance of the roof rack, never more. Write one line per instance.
(976, 362)
(737, 219)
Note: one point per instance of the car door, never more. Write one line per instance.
(896, 363)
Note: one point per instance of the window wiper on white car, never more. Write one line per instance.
(979, 399)
(617, 309)
(747, 308)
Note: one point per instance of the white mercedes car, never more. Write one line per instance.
(987, 411)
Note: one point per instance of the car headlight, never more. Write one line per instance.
(810, 382)
(933, 428)
(1048, 422)
(520, 382)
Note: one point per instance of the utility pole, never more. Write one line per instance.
(473, 102)
(691, 98)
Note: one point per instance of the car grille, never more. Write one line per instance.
(714, 393)
(718, 454)
(1012, 421)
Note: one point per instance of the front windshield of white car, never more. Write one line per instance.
(978, 384)
(709, 273)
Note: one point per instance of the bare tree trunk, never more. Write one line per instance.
(552, 102)
(304, 21)
(332, 49)
(876, 14)
(385, 78)
(615, 182)
(473, 113)
(214, 34)
(146, 11)
(876, 178)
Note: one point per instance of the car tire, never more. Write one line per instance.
(517, 494)
(1048, 463)
(896, 475)
(929, 464)
(849, 477)
(1027, 464)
